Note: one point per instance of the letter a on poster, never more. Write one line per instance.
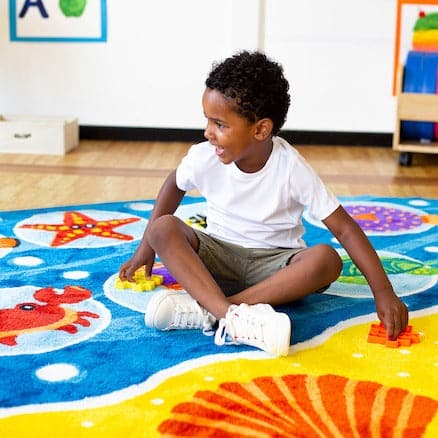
(58, 20)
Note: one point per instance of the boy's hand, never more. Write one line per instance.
(393, 313)
(127, 270)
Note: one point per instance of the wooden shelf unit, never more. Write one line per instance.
(413, 107)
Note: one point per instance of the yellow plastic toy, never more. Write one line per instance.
(141, 283)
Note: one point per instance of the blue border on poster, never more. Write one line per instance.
(14, 37)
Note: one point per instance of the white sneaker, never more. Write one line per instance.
(172, 310)
(258, 325)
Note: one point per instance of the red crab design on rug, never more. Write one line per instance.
(30, 317)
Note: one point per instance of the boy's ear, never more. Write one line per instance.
(263, 129)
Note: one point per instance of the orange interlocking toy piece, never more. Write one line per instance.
(377, 335)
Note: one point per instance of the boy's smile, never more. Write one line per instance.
(235, 138)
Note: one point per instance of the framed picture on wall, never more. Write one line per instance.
(58, 20)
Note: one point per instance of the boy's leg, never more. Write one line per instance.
(308, 271)
(177, 244)
(258, 325)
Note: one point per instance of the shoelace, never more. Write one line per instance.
(231, 330)
(193, 316)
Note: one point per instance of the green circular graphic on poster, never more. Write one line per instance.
(72, 8)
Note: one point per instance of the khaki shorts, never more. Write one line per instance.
(236, 268)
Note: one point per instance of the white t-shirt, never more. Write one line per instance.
(257, 210)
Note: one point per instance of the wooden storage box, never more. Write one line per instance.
(38, 135)
(418, 107)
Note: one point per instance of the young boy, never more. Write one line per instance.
(252, 255)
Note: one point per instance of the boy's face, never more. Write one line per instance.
(231, 134)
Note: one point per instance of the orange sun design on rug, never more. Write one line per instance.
(301, 406)
(77, 226)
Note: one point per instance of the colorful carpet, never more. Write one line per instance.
(76, 359)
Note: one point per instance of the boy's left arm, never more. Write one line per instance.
(390, 309)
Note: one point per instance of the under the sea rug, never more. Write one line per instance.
(77, 360)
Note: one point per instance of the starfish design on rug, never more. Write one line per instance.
(77, 225)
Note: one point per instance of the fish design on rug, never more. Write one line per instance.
(302, 405)
(392, 266)
(77, 225)
(30, 317)
(9, 242)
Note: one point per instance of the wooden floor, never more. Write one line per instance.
(104, 171)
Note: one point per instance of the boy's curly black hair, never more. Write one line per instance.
(255, 84)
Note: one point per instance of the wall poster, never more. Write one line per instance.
(58, 20)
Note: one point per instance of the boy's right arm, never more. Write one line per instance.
(167, 202)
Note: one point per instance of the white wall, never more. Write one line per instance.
(337, 55)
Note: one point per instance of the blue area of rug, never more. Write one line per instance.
(68, 257)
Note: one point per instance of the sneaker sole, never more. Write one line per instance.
(283, 342)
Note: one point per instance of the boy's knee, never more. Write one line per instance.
(160, 229)
(328, 259)
(335, 264)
